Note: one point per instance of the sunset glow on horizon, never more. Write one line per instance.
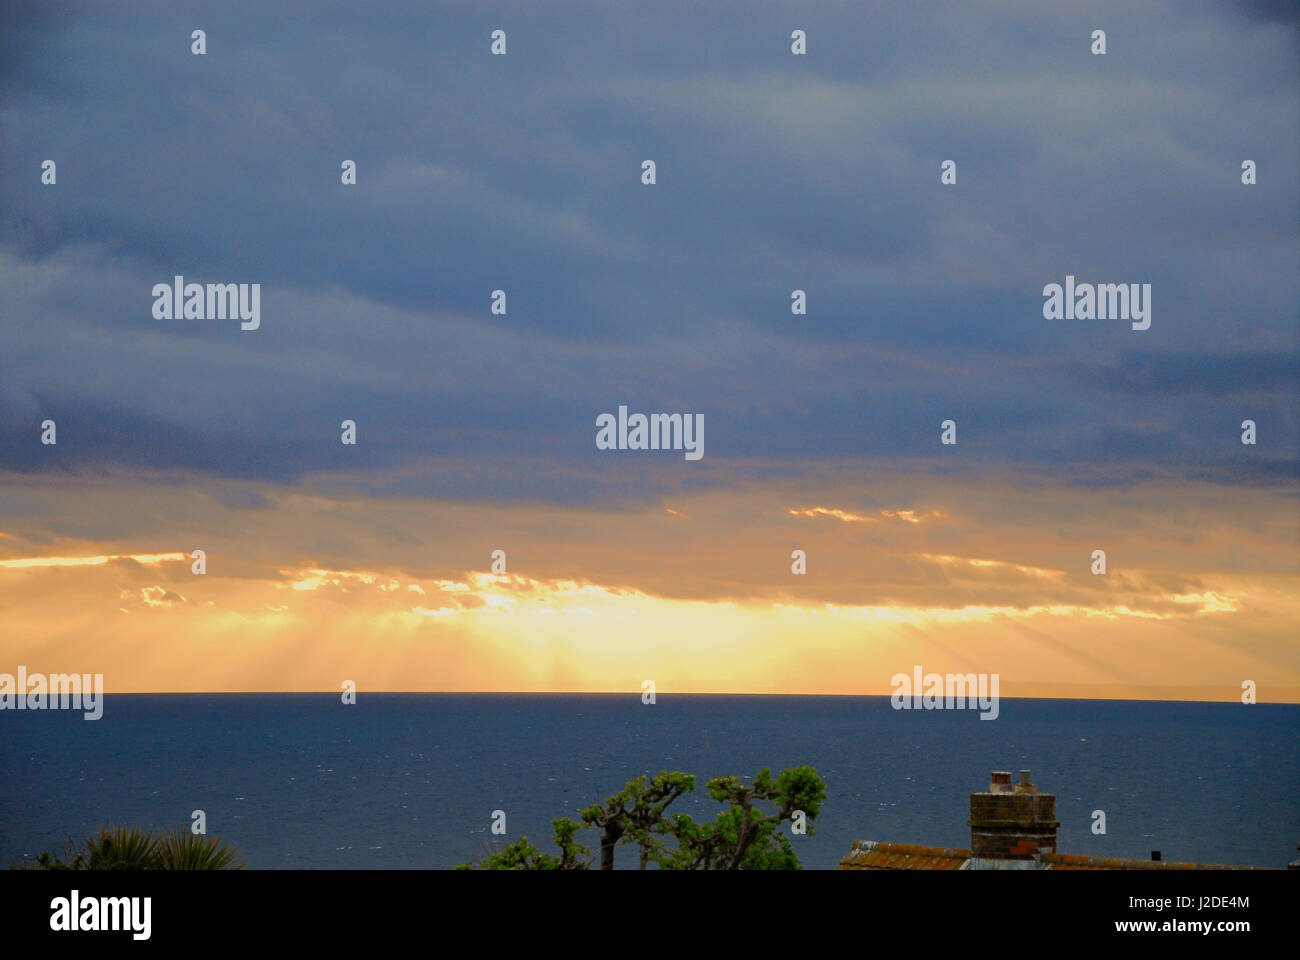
(766, 366)
(576, 614)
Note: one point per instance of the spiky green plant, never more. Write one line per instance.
(183, 850)
(121, 848)
(127, 848)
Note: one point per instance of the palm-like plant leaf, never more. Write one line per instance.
(121, 848)
(183, 850)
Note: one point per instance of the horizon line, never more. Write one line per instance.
(1295, 701)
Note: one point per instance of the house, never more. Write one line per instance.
(1011, 828)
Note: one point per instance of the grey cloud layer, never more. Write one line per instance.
(775, 172)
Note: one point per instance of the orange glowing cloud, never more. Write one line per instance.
(146, 558)
(600, 601)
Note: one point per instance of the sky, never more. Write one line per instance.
(476, 431)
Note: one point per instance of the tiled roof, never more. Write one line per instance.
(877, 855)
(874, 855)
(1061, 861)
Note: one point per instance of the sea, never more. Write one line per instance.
(415, 781)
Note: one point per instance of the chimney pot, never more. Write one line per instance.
(1026, 784)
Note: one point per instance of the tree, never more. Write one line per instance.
(640, 822)
(527, 856)
(742, 837)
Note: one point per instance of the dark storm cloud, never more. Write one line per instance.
(775, 172)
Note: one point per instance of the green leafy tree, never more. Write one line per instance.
(747, 835)
(743, 837)
(527, 856)
(636, 815)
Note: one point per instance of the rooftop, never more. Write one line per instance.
(1013, 827)
(880, 855)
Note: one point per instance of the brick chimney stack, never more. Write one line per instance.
(1012, 823)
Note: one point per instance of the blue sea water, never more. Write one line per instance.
(412, 780)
